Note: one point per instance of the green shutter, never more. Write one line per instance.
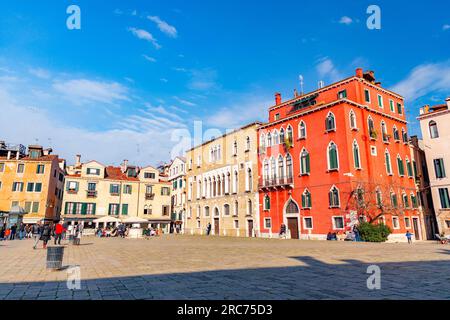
(124, 209)
(109, 209)
(304, 200)
(94, 207)
(356, 156)
(307, 164)
(83, 208)
(409, 167)
(66, 208)
(333, 159)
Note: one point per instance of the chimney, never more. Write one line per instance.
(124, 165)
(9, 155)
(426, 109)
(359, 72)
(78, 160)
(48, 151)
(17, 155)
(277, 98)
(378, 84)
(320, 84)
(295, 93)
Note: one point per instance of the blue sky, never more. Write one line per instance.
(138, 70)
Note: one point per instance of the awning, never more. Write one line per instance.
(106, 219)
(31, 220)
(134, 220)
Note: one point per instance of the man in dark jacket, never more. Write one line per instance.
(13, 232)
(36, 231)
(46, 234)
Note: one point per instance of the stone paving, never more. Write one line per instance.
(194, 267)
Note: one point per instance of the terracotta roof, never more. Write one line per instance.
(115, 173)
(50, 157)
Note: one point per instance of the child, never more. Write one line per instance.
(409, 237)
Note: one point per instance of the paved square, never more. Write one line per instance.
(191, 267)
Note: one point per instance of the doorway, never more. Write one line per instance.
(250, 228)
(416, 228)
(216, 227)
(293, 227)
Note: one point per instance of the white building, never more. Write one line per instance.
(435, 126)
(177, 177)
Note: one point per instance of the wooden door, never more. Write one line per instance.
(293, 227)
(250, 228)
(416, 228)
(216, 227)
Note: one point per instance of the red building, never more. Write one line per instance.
(336, 156)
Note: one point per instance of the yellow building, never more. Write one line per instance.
(222, 185)
(31, 184)
(93, 191)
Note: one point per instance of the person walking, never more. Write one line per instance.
(36, 231)
(13, 231)
(208, 229)
(46, 234)
(21, 231)
(58, 233)
(64, 233)
(282, 231)
(409, 236)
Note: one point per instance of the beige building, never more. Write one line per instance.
(93, 190)
(31, 184)
(222, 185)
(177, 179)
(434, 123)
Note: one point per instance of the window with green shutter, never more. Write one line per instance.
(439, 168)
(124, 209)
(306, 199)
(388, 163)
(409, 168)
(84, 208)
(332, 157)
(367, 95)
(266, 202)
(38, 187)
(305, 163)
(35, 207)
(394, 201)
(401, 168)
(399, 108)
(30, 187)
(444, 197)
(356, 155)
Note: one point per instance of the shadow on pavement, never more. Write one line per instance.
(315, 280)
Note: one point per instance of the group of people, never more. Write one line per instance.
(42, 232)
(107, 232)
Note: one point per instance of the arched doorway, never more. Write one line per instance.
(292, 214)
(216, 222)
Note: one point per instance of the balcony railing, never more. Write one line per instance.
(149, 196)
(91, 193)
(276, 182)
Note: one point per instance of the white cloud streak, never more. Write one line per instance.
(145, 35)
(164, 27)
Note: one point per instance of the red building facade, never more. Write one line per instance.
(336, 156)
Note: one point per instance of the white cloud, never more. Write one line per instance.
(79, 91)
(148, 58)
(327, 71)
(185, 102)
(145, 35)
(346, 20)
(245, 110)
(164, 80)
(425, 79)
(164, 27)
(40, 73)
(203, 80)
(446, 27)
(180, 69)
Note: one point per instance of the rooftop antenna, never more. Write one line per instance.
(300, 77)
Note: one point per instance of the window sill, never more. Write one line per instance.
(329, 131)
(304, 174)
(302, 138)
(354, 129)
(246, 151)
(332, 170)
(337, 207)
(307, 208)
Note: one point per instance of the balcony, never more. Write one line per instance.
(149, 196)
(91, 193)
(282, 182)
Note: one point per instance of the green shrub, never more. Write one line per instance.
(374, 232)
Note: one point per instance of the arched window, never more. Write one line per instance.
(379, 198)
(228, 183)
(384, 132)
(276, 138)
(395, 134)
(330, 123)
(250, 179)
(235, 148)
(206, 211)
(356, 156)
(289, 172)
(409, 168)
(266, 170)
(236, 208)
(262, 140)
(249, 207)
(302, 130)
(236, 182)
(404, 136)
(387, 161)
(282, 138)
(401, 167)
(333, 197)
(269, 140)
(226, 210)
(216, 212)
(304, 163)
(394, 201)
(353, 120)
(333, 161)
(306, 199)
(371, 127)
(248, 145)
(266, 202)
(405, 200)
(280, 167)
(273, 168)
(290, 137)
(434, 133)
(292, 207)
